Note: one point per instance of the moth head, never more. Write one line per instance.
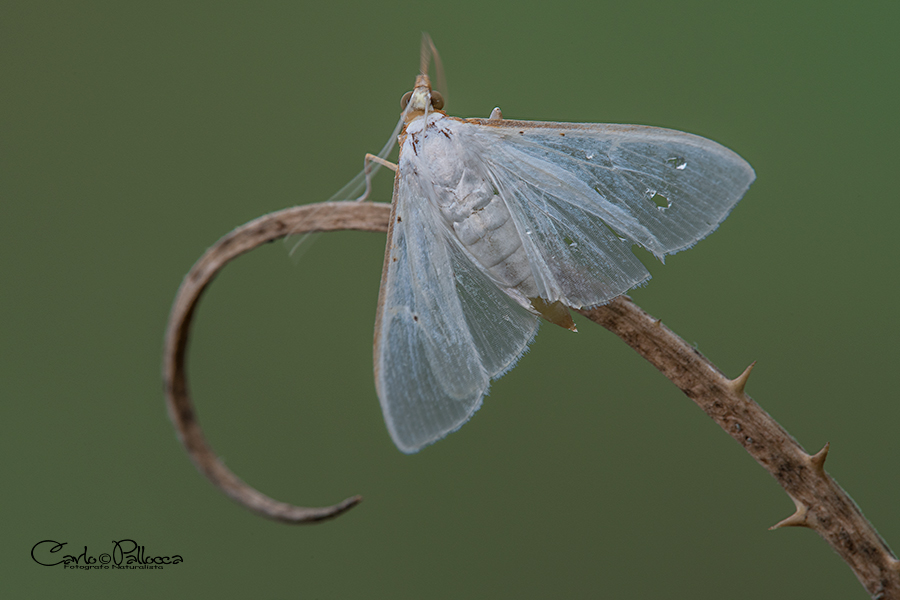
(422, 98)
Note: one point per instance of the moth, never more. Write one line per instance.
(497, 224)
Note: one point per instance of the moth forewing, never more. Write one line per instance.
(443, 328)
(429, 372)
(583, 194)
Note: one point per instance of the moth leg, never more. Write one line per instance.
(496, 115)
(555, 312)
(369, 171)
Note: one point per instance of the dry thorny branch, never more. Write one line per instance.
(822, 505)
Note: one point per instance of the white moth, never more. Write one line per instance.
(497, 223)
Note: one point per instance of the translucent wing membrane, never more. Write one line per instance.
(443, 328)
(501, 329)
(582, 195)
(578, 198)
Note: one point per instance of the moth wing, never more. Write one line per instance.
(584, 194)
(443, 328)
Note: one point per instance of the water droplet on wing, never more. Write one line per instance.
(662, 203)
(679, 162)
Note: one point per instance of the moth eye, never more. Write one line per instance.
(437, 101)
(405, 100)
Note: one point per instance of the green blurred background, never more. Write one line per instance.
(136, 134)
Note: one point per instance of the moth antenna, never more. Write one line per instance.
(425, 55)
(297, 243)
(429, 52)
(439, 72)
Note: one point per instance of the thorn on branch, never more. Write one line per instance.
(738, 383)
(817, 460)
(798, 519)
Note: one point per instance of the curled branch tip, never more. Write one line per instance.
(364, 216)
